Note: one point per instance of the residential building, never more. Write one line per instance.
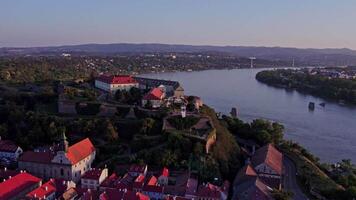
(191, 188)
(110, 182)
(136, 170)
(70, 194)
(139, 183)
(248, 186)
(113, 83)
(46, 191)
(163, 178)
(18, 186)
(62, 162)
(9, 150)
(268, 163)
(113, 194)
(172, 88)
(153, 191)
(155, 97)
(93, 178)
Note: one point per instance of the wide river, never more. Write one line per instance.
(329, 132)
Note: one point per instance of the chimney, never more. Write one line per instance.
(46, 188)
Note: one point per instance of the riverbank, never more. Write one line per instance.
(336, 89)
(224, 89)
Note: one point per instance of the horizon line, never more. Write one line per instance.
(174, 44)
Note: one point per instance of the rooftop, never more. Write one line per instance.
(80, 150)
(154, 94)
(8, 146)
(119, 79)
(270, 155)
(16, 184)
(93, 174)
(43, 191)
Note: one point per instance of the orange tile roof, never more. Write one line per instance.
(154, 94)
(152, 181)
(271, 156)
(246, 173)
(17, 184)
(80, 150)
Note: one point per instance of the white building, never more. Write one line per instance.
(155, 97)
(68, 163)
(9, 150)
(113, 83)
(93, 178)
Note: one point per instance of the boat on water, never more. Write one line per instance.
(311, 106)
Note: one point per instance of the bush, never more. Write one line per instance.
(183, 123)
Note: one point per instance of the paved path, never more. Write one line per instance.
(290, 180)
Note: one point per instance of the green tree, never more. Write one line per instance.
(110, 132)
(282, 195)
(147, 125)
(169, 159)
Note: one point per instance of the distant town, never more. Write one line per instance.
(93, 127)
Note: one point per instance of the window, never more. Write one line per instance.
(62, 172)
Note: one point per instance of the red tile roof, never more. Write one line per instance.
(246, 173)
(111, 181)
(154, 94)
(165, 172)
(120, 79)
(152, 181)
(17, 184)
(43, 191)
(80, 150)
(269, 155)
(93, 174)
(139, 181)
(8, 146)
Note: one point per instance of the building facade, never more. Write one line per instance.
(9, 150)
(68, 163)
(113, 83)
(93, 178)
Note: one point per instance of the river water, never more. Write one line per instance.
(329, 132)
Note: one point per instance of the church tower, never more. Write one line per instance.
(63, 144)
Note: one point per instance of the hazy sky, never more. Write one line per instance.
(292, 23)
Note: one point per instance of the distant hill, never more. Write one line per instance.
(309, 56)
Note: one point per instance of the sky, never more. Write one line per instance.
(286, 23)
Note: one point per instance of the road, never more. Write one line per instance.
(290, 180)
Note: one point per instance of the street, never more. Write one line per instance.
(290, 180)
